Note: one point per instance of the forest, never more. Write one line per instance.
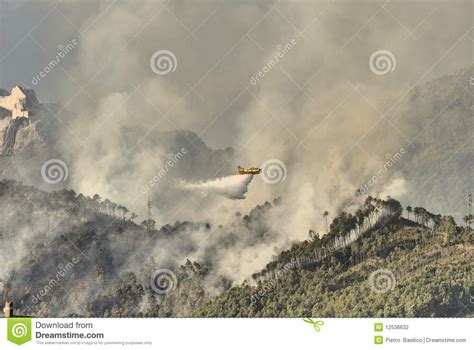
(381, 261)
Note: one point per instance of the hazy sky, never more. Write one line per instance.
(287, 80)
(220, 45)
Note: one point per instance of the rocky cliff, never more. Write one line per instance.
(18, 127)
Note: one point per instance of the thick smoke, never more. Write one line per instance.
(232, 187)
(319, 109)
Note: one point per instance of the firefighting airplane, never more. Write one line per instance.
(244, 171)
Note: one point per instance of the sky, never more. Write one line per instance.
(297, 81)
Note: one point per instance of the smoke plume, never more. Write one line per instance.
(317, 106)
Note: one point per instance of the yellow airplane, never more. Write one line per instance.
(244, 171)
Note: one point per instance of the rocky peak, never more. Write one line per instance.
(19, 103)
(16, 128)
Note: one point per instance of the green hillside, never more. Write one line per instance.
(432, 276)
(72, 255)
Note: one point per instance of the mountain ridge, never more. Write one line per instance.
(110, 259)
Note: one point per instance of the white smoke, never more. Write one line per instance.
(396, 188)
(321, 132)
(233, 187)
